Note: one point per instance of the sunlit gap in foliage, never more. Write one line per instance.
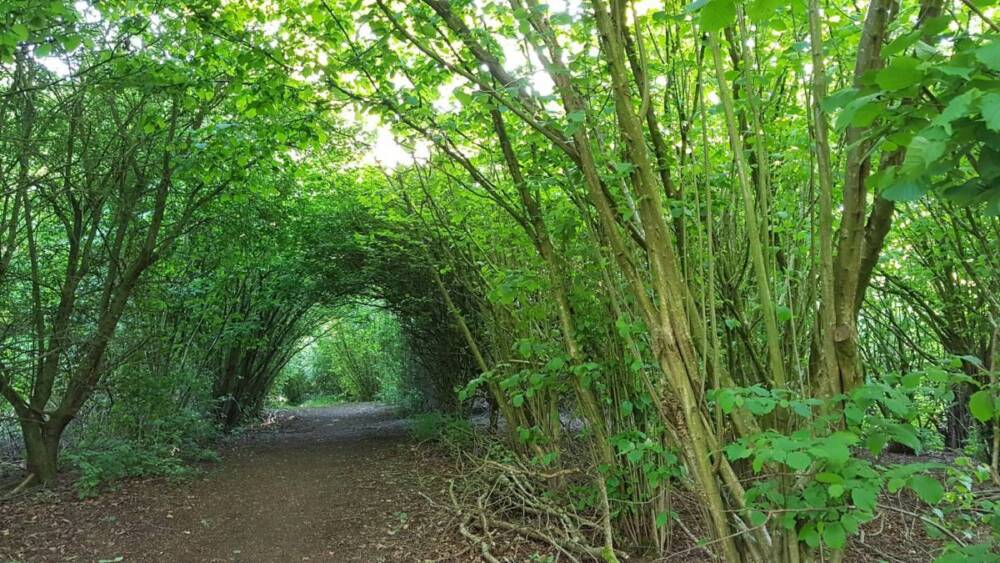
(357, 354)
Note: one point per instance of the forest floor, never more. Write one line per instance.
(339, 484)
(342, 483)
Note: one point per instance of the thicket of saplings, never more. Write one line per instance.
(727, 270)
(358, 356)
(141, 424)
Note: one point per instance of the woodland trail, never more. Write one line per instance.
(335, 484)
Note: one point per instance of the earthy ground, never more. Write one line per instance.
(336, 484)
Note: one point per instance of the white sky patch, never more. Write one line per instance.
(422, 151)
(571, 7)
(401, 82)
(446, 101)
(352, 117)
(643, 7)
(271, 27)
(347, 77)
(386, 152)
(365, 33)
(55, 65)
(88, 13)
(542, 83)
(513, 57)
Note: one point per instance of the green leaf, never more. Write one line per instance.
(921, 153)
(901, 43)
(957, 108)
(912, 380)
(784, 313)
(949, 70)
(798, 460)
(71, 42)
(833, 449)
(809, 536)
(989, 107)
(981, 405)
(20, 31)
(851, 522)
(838, 99)
(927, 488)
(726, 399)
(906, 189)
(875, 442)
(518, 400)
(827, 477)
(834, 535)
(625, 408)
(737, 450)
(760, 405)
(901, 73)
(864, 498)
(905, 434)
(989, 54)
(762, 10)
(800, 408)
(858, 113)
(717, 14)
(895, 484)
(661, 519)
(899, 405)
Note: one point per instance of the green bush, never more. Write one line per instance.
(113, 449)
(441, 427)
(323, 401)
(110, 459)
(295, 388)
(359, 355)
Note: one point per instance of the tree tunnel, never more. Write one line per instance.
(745, 244)
(281, 303)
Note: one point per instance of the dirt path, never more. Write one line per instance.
(328, 484)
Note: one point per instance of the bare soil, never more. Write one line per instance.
(338, 483)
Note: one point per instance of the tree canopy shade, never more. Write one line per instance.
(748, 244)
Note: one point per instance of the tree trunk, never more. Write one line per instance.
(958, 419)
(41, 445)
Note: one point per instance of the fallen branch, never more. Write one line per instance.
(463, 528)
(926, 520)
(27, 482)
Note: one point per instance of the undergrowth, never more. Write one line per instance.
(435, 426)
(167, 448)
